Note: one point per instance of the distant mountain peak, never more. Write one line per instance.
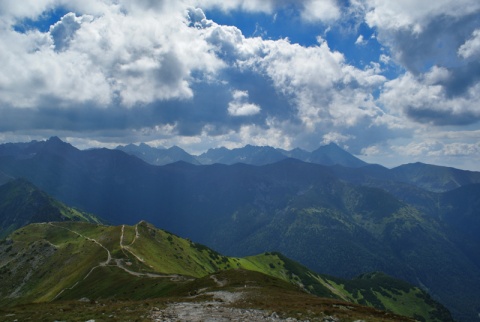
(332, 154)
(158, 156)
(54, 139)
(54, 143)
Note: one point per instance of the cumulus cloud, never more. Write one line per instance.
(321, 10)
(414, 15)
(436, 42)
(246, 5)
(422, 34)
(240, 105)
(310, 10)
(324, 90)
(360, 41)
(149, 63)
(162, 68)
(64, 30)
(437, 149)
(424, 99)
(471, 48)
(106, 59)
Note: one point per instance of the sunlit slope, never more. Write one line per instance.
(71, 260)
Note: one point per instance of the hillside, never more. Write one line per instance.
(21, 203)
(121, 262)
(435, 178)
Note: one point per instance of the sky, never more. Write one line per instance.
(391, 82)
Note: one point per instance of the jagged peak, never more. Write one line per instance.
(55, 141)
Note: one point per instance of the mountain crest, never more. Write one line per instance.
(22, 203)
(151, 261)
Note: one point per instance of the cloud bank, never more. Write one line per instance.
(109, 72)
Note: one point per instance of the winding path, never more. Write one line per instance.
(109, 256)
(126, 247)
(118, 262)
(107, 262)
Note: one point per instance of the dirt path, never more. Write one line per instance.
(107, 262)
(109, 256)
(127, 248)
(218, 282)
(118, 262)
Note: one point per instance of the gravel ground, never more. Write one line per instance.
(213, 311)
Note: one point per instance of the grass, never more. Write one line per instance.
(76, 311)
(261, 292)
(112, 283)
(60, 261)
(405, 303)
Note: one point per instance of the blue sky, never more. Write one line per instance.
(390, 81)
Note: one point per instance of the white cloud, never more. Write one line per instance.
(11, 9)
(424, 99)
(471, 48)
(335, 137)
(63, 31)
(310, 10)
(271, 135)
(246, 5)
(115, 56)
(360, 41)
(240, 105)
(414, 14)
(136, 59)
(324, 89)
(384, 59)
(34, 74)
(436, 150)
(320, 10)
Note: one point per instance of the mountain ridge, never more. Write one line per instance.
(142, 251)
(330, 154)
(21, 203)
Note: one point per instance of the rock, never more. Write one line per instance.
(330, 319)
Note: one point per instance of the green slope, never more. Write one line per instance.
(21, 203)
(71, 260)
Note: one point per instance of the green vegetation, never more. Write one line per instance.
(72, 260)
(335, 220)
(21, 203)
(386, 293)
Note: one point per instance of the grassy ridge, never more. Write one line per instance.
(71, 260)
(21, 203)
(43, 260)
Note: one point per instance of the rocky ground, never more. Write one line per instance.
(217, 310)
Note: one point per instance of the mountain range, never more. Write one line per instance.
(417, 222)
(330, 154)
(158, 156)
(141, 262)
